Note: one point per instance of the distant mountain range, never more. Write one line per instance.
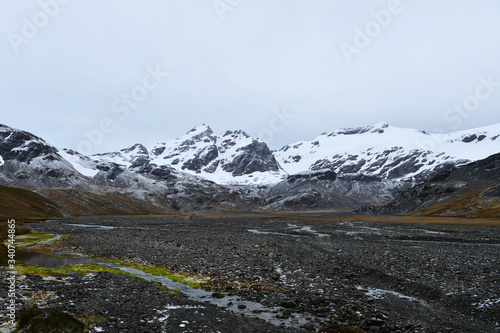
(342, 170)
(381, 151)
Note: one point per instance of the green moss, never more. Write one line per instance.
(31, 238)
(192, 281)
(167, 290)
(24, 269)
(59, 239)
(90, 320)
(35, 237)
(48, 320)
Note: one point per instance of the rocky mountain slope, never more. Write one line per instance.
(389, 152)
(471, 190)
(28, 161)
(230, 158)
(380, 151)
(340, 170)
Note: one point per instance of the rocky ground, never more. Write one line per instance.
(130, 304)
(375, 277)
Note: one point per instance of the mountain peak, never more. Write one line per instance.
(236, 134)
(377, 128)
(203, 128)
(137, 149)
(198, 133)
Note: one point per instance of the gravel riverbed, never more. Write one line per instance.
(374, 277)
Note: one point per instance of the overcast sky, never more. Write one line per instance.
(126, 71)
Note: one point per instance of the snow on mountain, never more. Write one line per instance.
(377, 153)
(80, 163)
(380, 151)
(231, 158)
(389, 152)
(29, 161)
(127, 157)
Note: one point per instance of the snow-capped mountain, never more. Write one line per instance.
(381, 151)
(230, 158)
(29, 161)
(390, 152)
(342, 169)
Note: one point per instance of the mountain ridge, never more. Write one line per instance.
(343, 169)
(379, 150)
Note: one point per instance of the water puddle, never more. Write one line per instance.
(306, 229)
(104, 227)
(231, 303)
(260, 232)
(47, 260)
(223, 300)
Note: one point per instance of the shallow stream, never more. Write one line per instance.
(230, 302)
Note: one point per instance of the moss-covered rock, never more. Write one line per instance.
(36, 320)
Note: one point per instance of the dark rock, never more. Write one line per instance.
(48, 320)
(335, 328)
(218, 295)
(252, 158)
(323, 174)
(202, 158)
(289, 304)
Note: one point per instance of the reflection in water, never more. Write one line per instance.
(232, 303)
(45, 260)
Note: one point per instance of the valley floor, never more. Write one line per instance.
(373, 276)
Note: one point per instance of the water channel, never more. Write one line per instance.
(230, 302)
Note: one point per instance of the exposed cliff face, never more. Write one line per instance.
(29, 161)
(389, 152)
(233, 157)
(471, 190)
(344, 169)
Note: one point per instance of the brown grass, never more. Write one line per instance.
(110, 203)
(4, 228)
(16, 203)
(470, 205)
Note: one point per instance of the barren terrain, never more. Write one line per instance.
(372, 276)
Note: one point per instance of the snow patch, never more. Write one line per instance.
(176, 307)
(259, 232)
(381, 293)
(79, 164)
(487, 303)
(306, 229)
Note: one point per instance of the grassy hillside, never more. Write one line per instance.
(479, 203)
(16, 203)
(85, 203)
(21, 204)
(470, 191)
